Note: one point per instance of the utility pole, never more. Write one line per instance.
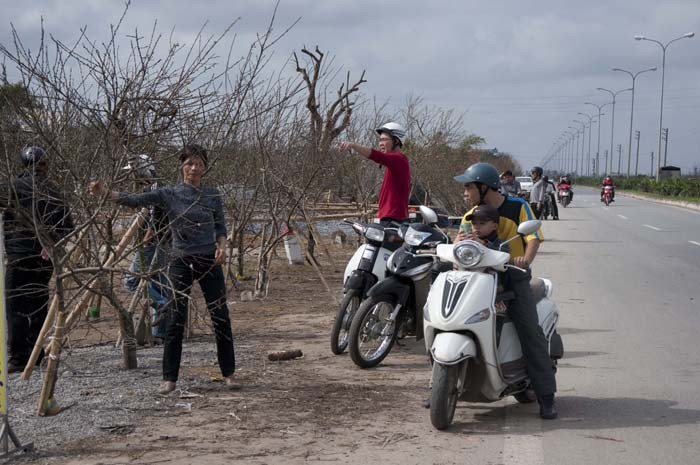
(606, 162)
(652, 165)
(637, 135)
(665, 137)
(619, 158)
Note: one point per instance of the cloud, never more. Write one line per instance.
(521, 70)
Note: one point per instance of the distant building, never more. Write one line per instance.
(669, 172)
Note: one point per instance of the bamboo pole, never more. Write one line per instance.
(52, 368)
(118, 251)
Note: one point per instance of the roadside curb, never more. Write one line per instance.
(675, 203)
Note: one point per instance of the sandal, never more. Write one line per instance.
(231, 383)
(167, 387)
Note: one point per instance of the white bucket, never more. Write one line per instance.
(293, 250)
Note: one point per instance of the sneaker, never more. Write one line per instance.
(548, 411)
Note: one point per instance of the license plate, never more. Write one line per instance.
(564, 194)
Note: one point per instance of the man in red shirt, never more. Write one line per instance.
(396, 186)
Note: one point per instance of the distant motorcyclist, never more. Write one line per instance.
(510, 185)
(481, 186)
(550, 190)
(607, 181)
(565, 185)
(538, 191)
(396, 186)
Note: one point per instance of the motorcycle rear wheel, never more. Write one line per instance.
(445, 393)
(371, 334)
(565, 201)
(343, 320)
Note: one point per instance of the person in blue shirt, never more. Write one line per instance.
(198, 230)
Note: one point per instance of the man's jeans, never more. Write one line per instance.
(157, 288)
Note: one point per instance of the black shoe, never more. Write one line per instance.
(426, 403)
(13, 366)
(548, 411)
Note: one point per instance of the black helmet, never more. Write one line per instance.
(537, 170)
(32, 155)
(483, 173)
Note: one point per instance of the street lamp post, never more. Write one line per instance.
(612, 130)
(597, 154)
(590, 129)
(634, 78)
(663, 76)
(574, 153)
(583, 143)
(569, 150)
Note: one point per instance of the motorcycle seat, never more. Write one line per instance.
(539, 289)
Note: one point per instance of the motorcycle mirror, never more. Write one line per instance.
(428, 214)
(529, 227)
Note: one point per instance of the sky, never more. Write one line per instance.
(520, 71)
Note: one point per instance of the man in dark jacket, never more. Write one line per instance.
(37, 218)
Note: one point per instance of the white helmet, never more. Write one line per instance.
(142, 166)
(394, 130)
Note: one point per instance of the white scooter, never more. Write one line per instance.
(474, 346)
(366, 267)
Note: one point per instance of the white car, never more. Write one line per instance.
(525, 183)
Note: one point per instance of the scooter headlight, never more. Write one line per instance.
(415, 238)
(468, 253)
(479, 317)
(374, 234)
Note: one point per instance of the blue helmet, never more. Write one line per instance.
(483, 173)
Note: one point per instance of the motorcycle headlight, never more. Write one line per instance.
(359, 229)
(468, 253)
(374, 234)
(415, 238)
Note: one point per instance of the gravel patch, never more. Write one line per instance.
(97, 397)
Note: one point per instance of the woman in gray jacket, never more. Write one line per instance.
(198, 228)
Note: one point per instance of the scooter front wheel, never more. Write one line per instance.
(373, 333)
(445, 392)
(343, 319)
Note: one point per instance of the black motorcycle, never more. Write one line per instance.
(365, 268)
(395, 305)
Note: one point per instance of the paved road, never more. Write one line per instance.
(627, 281)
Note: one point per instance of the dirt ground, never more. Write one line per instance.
(318, 408)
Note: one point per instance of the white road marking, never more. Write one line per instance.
(623, 217)
(694, 242)
(651, 227)
(519, 447)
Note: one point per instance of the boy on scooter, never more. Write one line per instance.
(484, 227)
